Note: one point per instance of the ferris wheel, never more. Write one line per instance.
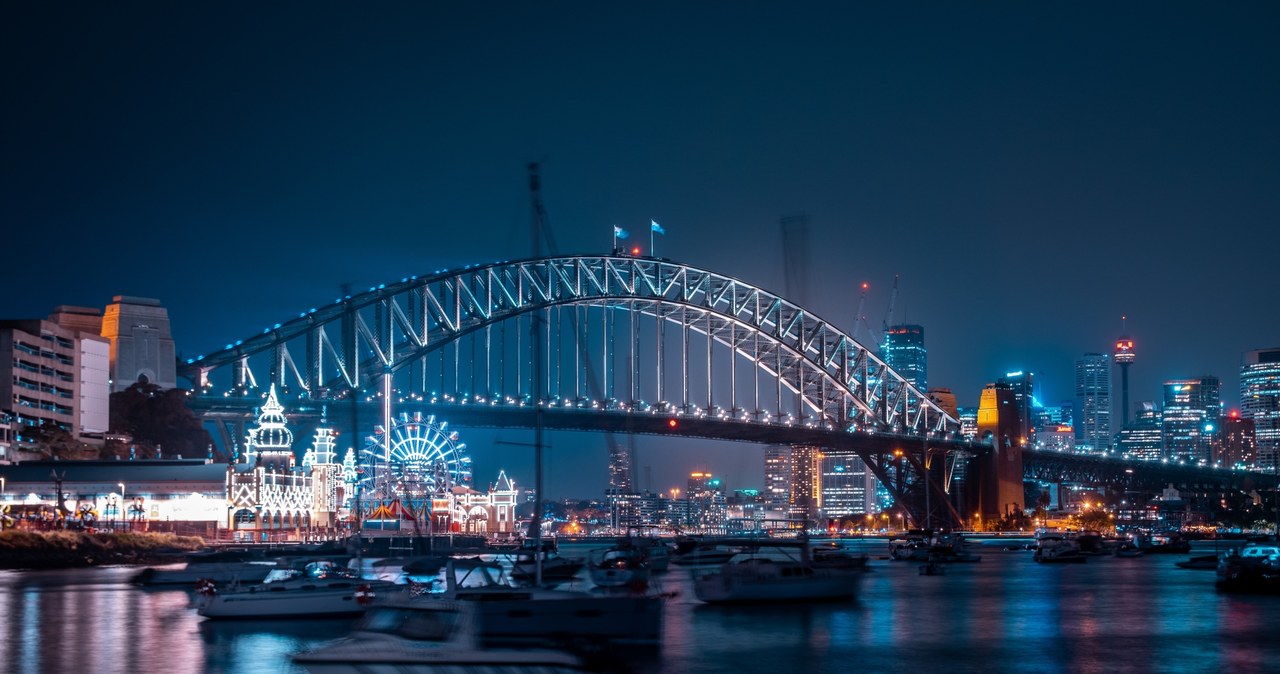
(416, 457)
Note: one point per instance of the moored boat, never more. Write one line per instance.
(618, 566)
(1255, 568)
(319, 589)
(219, 566)
(776, 571)
(440, 636)
(1054, 547)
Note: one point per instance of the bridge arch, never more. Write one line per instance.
(634, 335)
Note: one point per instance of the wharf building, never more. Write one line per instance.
(264, 493)
(1191, 408)
(1093, 397)
(1260, 403)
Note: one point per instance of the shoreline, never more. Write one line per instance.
(37, 550)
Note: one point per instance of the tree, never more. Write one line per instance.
(158, 420)
(52, 440)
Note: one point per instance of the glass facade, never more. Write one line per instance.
(1191, 409)
(1260, 403)
(903, 351)
(1093, 395)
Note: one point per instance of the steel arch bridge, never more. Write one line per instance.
(642, 338)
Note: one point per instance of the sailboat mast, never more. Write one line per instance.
(536, 343)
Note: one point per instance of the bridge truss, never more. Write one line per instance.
(639, 337)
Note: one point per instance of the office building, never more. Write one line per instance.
(1191, 408)
(1260, 403)
(806, 483)
(1234, 442)
(848, 488)
(1093, 399)
(903, 351)
(1143, 437)
(142, 348)
(1023, 386)
(777, 478)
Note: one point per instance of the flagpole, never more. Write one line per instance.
(651, 250)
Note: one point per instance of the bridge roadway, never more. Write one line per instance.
(876, 448)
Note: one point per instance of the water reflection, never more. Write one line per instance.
(1004, 614)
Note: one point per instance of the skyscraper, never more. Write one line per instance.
(1093, 395)
(905, 354)
(1234, 441)
(848, 488)
(1144, 437)
(1191, 409)
(1260, 402)
(806, 483)
(1023, 386)
(777, 478)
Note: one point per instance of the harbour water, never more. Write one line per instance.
(1003, 614)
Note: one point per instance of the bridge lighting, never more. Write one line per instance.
(635, 250)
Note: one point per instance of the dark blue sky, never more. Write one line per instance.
(1032, 170)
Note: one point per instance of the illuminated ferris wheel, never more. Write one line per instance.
(422, 458)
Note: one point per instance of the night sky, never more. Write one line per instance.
(1033, 171)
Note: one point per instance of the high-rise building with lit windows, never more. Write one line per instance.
(1191, 411)
(806, 483)
(1260, 402)
(903, 351)
(1143, 438)
(1235, 441)
(848, 488)
(1093, 397)
(777, 478)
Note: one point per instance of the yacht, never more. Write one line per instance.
(619, 566)
(776, 571)
(1055, 547)
(555, 569)
(219, 566)
(318, 589)
(427, 638)
(510, 616)
(1254, 568)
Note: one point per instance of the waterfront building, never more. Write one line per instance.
(1191, 407)
(1234, 441)
(1093, 398)
(142, 348)
(54, 373)
(903, 351)
(1143, 438)
(1260, 403)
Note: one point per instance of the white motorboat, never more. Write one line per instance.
(428, 638)
(219, 566)
(776, 571)
(619, 566)
(319, 589)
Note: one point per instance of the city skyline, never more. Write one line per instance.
(1030, 173)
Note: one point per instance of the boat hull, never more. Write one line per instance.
(823, 585)
(263, 601)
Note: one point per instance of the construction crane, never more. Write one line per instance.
(888, 317)
(860, 326)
